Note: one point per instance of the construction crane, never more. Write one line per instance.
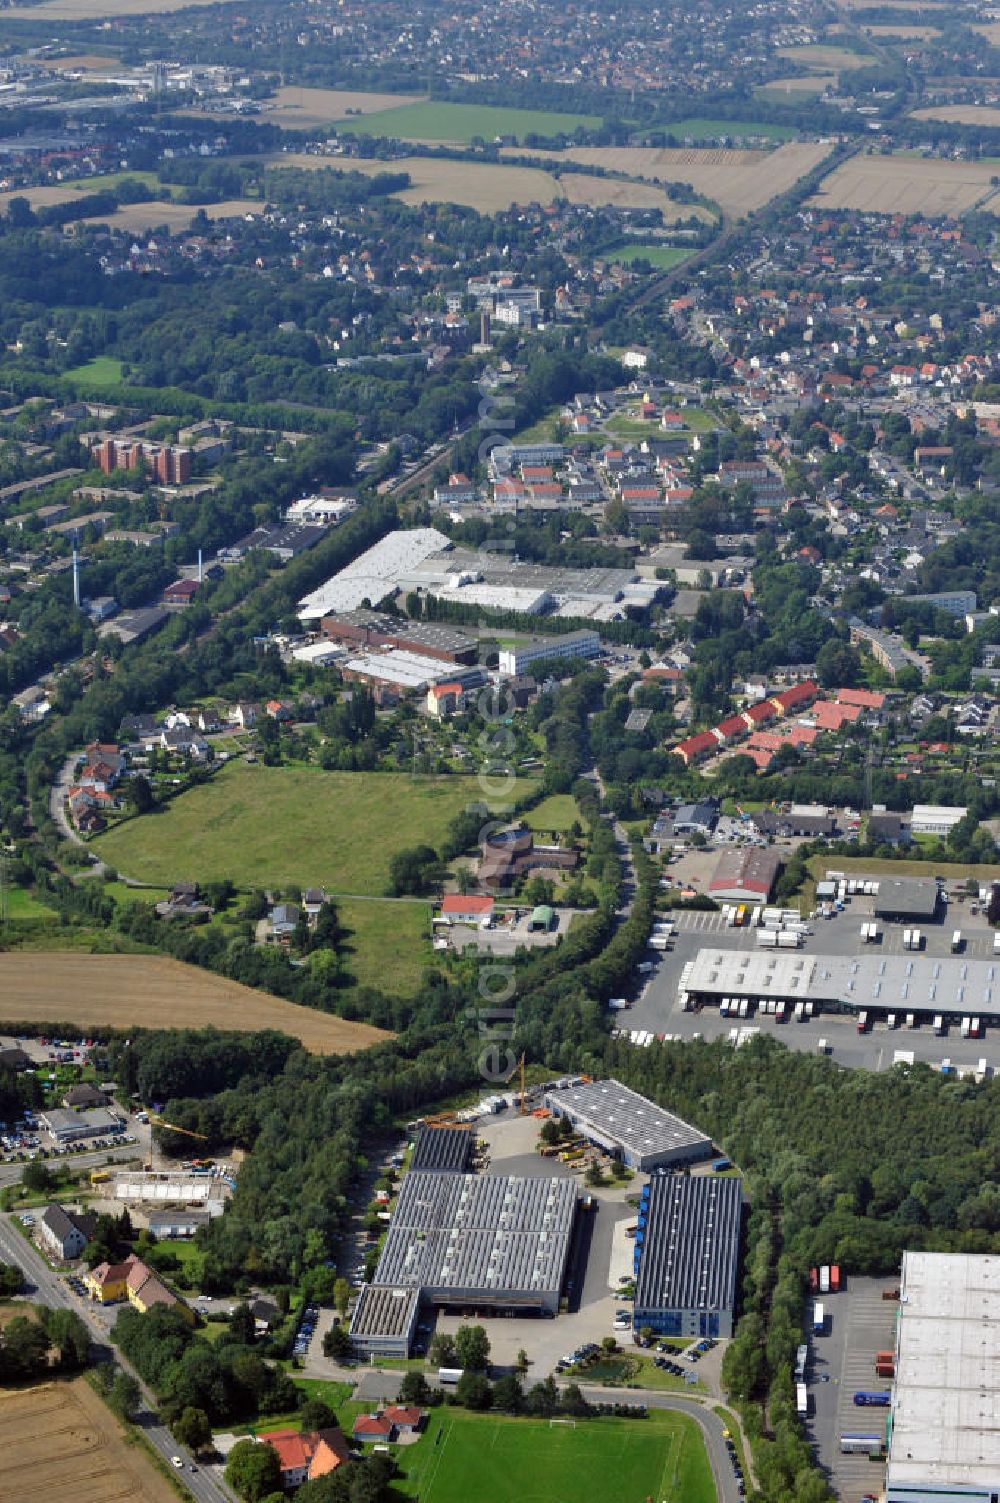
(172, 1127)
(523, 1104)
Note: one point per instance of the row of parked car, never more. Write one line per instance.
(737, 1468)
(695, 1353)
(304, 1334)
(589, 1349)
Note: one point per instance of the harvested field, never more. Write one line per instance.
(961, 114)
(297, 109)
(134, 217)
(99, 10)
(821, 59)
(87, 62)
(60, 1440)
(739, 181)
(810, 83)
(489, 187)
(914, 33)
(905, 185)
(991, 31)
(152, 991)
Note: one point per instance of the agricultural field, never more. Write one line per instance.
(141, 216)
(809, 83)
(152, 991)
(661, 256)
(991, 31)
(698, 129)
(913, 33)
(906, 185)
(738, 181)
(465, 1455)
(86, 62)
(278, 827)
(961, 114)
(295, 108)
(387, 944)
(61, 1440)
(99, 10)
(820, 59)
(434, 120)
(489, 187)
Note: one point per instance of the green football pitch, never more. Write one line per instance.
(465, 1456)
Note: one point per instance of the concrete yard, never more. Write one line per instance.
(858, 1324)
(656, 1008)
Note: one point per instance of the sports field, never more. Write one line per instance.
(151, 991)
(277, 826)
(495, 1460)
(435, 120)
(59, 1440)
(662, 256)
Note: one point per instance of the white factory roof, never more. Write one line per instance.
(376, 573)
(897, 983)
(318, 653)
(946, 1398)
(407, 669)
(497, 597)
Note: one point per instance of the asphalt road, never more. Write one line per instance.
(12, 1174)
(50, 1288)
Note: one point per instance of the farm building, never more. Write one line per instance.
(687, 1254)
(944, 1441)
(744, 876)
(618, 1119)
(443, 1150)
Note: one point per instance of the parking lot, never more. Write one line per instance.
(655, 1007)
(858, 1324)
(504, 939)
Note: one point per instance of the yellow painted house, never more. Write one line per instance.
(108, 1283)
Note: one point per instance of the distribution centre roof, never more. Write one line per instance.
(946, 1398)
(376, 573)
(620, 1115)
(896, 983)
(494, 1233)
(691, 1249)
(917, 897)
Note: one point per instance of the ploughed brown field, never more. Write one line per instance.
(58, 1440)
(153, 991)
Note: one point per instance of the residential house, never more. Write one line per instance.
(305, 1455)
(244, 715)
(181, 592)
(84, 1096)
(132, 1280)
(64, 1234)
(467, 908)
(280, 924)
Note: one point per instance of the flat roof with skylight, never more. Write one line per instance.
(620, 1120)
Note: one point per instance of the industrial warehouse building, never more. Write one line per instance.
(906, 898)
(443, 1150)
(494, 1243)
(575, 644)
(944, 1438)
(951, 988)
(625, 1124)
(687, 1255)
(744, 876)
(67, 1126)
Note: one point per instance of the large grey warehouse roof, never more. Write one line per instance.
(620, 1115)
(917, 897)
(691, 1247)
(454, 1232)
(443, 1150)
(893, 983)
(384, 1311)
(946, 1401)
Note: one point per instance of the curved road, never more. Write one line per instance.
(50, 1289)
(708, 1422)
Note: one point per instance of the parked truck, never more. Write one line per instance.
(819, 1319)
(956, 941)
(767, 939)
(824, 1279)
(788, 940)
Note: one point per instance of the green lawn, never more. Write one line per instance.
(22, 904)
(387, 943)
(276, 826)
(494, 1460)
(433, 120)
(106, 180)
(102, 371)
(870, 867)
(661, 256)
(557, 812)
(699, 129)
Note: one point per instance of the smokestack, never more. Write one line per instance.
(76, 577)
(199, 566)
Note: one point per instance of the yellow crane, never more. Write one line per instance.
(172, 1127)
